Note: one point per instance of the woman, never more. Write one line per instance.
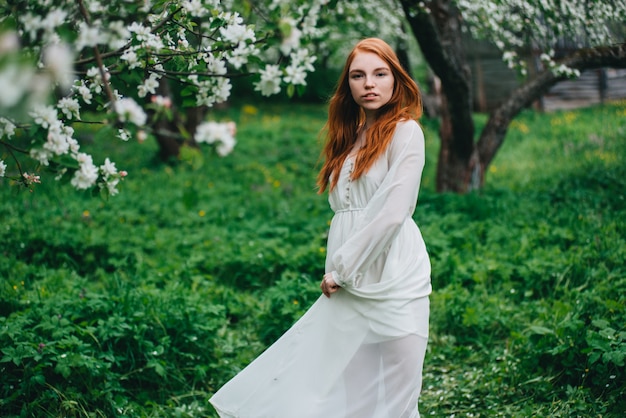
(358, 351)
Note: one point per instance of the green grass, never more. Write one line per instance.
(144, 304)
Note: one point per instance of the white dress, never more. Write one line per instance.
(359, 353)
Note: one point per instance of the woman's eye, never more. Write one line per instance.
(381, 74)
(355, 76)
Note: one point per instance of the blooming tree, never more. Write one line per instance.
(126, 65)
(594, 29)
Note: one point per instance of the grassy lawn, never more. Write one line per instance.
(144, 304)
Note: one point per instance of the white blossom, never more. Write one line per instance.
(195, 8)
(220, 134)
(3, 168)
(87, 174)
(295, 75)
(237, 34)
(44, 116)
(7, 128)
(130, 56)
(41, 155)
(89, 36)
(123, 134)
(84, 92)
(108, 168)
(9, 42)
(270, 80)
(15, 83)
(129, 110)
(58, 59)
(149, 85)
(291, 39)
(70, 107)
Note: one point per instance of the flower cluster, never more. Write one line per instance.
(220, 134)
(542, 24)
(114, 56)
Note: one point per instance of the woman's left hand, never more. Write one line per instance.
(328, 285)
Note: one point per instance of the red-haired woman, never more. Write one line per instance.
(358, 352)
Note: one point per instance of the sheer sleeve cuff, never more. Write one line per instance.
(337, 278)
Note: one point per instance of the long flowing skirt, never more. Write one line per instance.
(342, 359)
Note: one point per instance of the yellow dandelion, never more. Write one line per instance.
(322, 250)
(276, 184)
(493, 168)
(295, 302)
(86, 214)
(201, 213)
(249, 110)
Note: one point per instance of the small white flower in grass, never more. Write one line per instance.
(270, 80)
(129, 110)
(3, 168)
(7, 128)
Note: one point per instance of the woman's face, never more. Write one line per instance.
(371, 81)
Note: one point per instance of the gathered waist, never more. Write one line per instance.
(348, 210)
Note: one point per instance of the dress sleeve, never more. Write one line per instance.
(390, 206)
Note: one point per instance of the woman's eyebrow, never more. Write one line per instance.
(376, 69)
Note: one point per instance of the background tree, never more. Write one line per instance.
(513, 26)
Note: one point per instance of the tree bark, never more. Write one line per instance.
(168, 133)
(439, 36)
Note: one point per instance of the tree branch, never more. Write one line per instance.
(496, 128)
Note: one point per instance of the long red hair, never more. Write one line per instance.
(345, 117)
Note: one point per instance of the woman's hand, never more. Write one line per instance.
(328, 285)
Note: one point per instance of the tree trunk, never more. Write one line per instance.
(172, 134)
(462, 162)
(440, 38)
